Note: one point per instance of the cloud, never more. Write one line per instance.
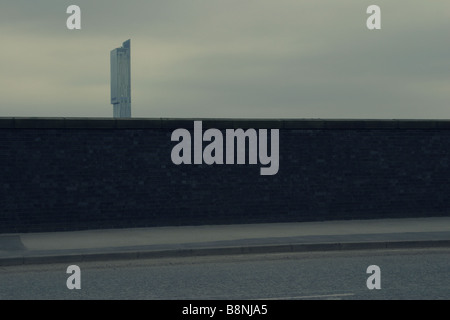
(246, 58)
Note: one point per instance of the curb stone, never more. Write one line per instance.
(30, 259)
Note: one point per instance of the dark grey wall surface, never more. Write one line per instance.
(72, 174)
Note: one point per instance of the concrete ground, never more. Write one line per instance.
(89, 245)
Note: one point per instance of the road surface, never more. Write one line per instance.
(403, 274)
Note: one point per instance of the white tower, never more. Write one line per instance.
(121, 81)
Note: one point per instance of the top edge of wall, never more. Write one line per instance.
(219, 123)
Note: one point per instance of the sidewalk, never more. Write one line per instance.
(90, 245)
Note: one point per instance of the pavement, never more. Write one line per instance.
(185, 241)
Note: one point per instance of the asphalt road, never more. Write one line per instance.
(404, 274)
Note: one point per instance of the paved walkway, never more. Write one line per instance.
(76, 246)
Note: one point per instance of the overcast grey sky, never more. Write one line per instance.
(229, 58)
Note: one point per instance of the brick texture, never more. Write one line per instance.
(75, 174)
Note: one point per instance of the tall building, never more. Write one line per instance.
(121, 81)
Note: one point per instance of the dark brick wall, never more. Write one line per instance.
(73, 174)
